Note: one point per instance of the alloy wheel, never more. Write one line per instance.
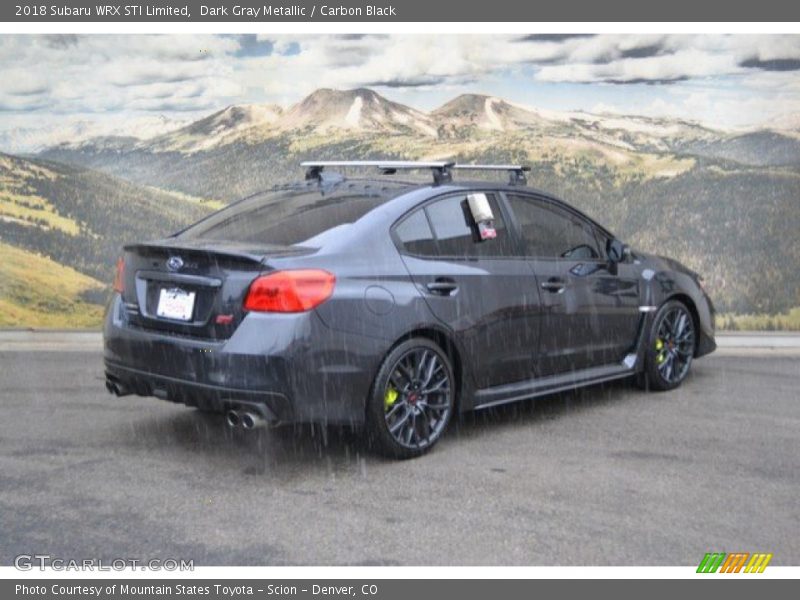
(674, 344)
(417, 398)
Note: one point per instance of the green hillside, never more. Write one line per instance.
(80, 218)
(38, 292)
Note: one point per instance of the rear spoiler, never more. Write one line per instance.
(252, 253)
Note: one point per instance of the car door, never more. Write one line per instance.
(590, 307)
(480, 289)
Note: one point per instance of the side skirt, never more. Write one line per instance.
(550, 385)
(532, 388)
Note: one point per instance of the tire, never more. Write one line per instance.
(411, 401)
(670, 347)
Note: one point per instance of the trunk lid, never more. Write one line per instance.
(193, 287)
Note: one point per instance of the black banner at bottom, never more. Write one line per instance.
(383, 589)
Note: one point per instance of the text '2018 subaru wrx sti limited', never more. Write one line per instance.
(393, 305)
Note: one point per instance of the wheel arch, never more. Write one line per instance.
(444, 340)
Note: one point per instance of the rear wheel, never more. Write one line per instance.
(671, 346)
(412, 399)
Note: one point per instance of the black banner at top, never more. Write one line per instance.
(388, 11)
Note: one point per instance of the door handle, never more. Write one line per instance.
(442, 286)
(554, 285)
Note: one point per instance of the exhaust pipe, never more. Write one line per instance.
(233, 418)
(117, 389)
(244, 419)
(251, 420)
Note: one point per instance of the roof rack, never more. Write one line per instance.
(442, 170)
(516, 173)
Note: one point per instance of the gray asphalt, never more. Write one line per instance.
(604, 476)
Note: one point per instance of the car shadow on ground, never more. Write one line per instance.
(543, 408)
(205, 436)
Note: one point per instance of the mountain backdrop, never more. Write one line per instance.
(726, 203)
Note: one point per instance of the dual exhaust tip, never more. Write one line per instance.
(244, 419)
(235, 418)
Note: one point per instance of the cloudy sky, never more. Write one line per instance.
(60, 85)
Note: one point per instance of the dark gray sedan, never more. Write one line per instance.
(392, 305)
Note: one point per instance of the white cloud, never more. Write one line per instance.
(63, 76)
(683, 64)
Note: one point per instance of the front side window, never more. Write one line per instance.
(456, 233)
(550, 231)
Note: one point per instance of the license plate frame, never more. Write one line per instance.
(175, 304)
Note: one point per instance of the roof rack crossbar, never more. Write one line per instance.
(516, 173)
(439, 168)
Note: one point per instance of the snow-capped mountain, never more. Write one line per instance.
(489, 113)
(325, 111)
(354, 110)
(363, 112)
(251, 121)
(467, 112)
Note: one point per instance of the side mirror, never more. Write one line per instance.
(617, 251)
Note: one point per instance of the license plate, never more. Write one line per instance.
(175, 303)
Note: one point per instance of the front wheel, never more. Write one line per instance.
(670, 347)
(412, 399)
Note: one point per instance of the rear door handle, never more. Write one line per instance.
(554, 285)
(442, 286)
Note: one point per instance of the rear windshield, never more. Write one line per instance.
(285, 218)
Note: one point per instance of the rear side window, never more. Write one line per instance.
(549, 231)
(415, 234)
(284, 220)
(454, 233)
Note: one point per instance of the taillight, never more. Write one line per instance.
(290, 291)
(119, 278)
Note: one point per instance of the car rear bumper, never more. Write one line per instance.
(273, 407)
(288, 367)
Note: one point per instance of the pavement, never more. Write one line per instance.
(608, 475)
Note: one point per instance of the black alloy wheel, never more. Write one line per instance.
(412, 399)
(672, 346)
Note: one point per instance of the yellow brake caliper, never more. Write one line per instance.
(389, 398)
(660, 355)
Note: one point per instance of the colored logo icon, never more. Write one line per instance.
(736, 562)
